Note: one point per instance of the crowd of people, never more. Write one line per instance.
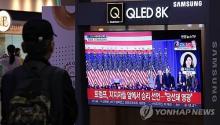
(161, 81)
(137, 71)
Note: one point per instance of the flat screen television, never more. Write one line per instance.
(136, 68)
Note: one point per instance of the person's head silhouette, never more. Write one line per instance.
(38, 38)
(11, 53)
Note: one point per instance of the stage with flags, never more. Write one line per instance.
(134, 62)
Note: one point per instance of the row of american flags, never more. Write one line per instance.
(126, 78)
(128, 69)
(127, 58)
(122, 61)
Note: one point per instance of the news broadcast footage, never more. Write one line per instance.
(158, 68)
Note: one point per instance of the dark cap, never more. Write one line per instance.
(37, 30)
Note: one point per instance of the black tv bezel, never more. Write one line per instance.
(202, 105)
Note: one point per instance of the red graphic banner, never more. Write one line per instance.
(145, 96)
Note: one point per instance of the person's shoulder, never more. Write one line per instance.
(13, 72)
(58, 70)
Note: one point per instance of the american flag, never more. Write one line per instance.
(117, 56)
(118, 41)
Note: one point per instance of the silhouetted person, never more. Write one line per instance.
(188, 82)
(181, 81)
(159, 80)
(18, 54)
(10, 61)
(151, 80)
(194, 83)
(168, 80)
(37, 76)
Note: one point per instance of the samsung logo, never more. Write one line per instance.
(188, 4)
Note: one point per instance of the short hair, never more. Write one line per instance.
(17, 50)
(11, 49)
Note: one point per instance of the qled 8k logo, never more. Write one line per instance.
(115, 13)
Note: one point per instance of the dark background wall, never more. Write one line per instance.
(68, 2)
(97, 115)
(131, 116)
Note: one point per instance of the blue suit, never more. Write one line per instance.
(180, 82)
(158, 82)
(168, 80)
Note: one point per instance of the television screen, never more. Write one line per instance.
(158, 68)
